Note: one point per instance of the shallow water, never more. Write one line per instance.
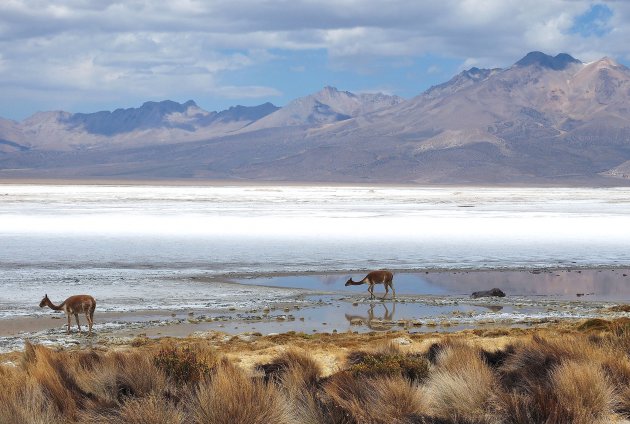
(173, 247)
(562, 284)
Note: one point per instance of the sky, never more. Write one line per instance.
(92, 55)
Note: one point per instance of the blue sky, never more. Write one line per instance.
(91, 55)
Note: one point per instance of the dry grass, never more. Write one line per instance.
(229, 396)
(583, 392)
(462, 385)
(146, 410)
(384, 399)
(296, 362)
(577, 375)
(22, 400)
(388, 360)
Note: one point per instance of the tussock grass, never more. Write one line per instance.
(583, 392)
(462, 385)
(147, 410)
(302, 394)
(48, 371)
(22, 400)
(298, 375)
(575, 376)
(229, 396)
(384, 399)
(297, 362)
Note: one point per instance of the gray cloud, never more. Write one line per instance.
(135, 47)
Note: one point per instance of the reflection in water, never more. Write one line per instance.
(380, 323)
(599, 284)
(591, 284)
(493, 308)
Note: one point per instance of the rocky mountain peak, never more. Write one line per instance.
(608, 63)
(557, 63)
(460, 81)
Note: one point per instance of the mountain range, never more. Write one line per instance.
(543, 120)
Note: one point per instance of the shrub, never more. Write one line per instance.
(413, 367)
(182, 365)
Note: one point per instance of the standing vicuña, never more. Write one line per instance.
(376, 277)
(74, 305)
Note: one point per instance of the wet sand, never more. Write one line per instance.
(427, 302)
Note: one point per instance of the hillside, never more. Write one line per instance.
(545, 119)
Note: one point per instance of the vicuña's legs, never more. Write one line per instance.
(76, 316)
(68, 329)
(89, 320)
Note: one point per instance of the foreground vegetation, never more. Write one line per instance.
(570, 375)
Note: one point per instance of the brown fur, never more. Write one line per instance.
(376, 277)
(74, 305)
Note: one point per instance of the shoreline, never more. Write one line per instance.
(191, 182)
(335, 309)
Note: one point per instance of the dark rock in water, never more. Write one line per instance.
(488, 293)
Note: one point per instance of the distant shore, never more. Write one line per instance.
(182, 182)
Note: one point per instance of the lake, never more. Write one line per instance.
(137, 247)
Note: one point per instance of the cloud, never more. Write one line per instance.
(433, 69)
(109, 47)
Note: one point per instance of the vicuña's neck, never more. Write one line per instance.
(357, 283)
(53, 306)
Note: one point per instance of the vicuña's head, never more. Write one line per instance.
(44, 301)
(349, 282)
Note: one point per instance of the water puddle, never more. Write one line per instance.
(566, 284)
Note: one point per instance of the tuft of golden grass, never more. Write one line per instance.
(229, 396)
(583, 392)
(462, 385)
(151, 409)
(536, 405)
(22, 400)
(383, 399)
(49, 372)
(296, 361)
(298, 375)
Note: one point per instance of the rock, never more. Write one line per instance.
(488, 293)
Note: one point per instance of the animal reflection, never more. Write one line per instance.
(378, 323)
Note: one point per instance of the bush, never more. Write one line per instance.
(182, 365)
(413, 367)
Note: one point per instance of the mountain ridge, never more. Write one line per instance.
(545, 119)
